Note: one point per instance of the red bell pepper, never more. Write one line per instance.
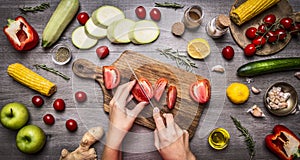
(283, 142)
(20, 34)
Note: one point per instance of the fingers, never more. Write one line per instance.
(158, 119)
(156, 139)
(123, 91)
(170, 122)
(186, 138)
(137, 109)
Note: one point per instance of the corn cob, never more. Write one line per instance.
(31, 79)
(250, 9)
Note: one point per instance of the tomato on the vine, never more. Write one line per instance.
(251, 32)
(259, 41)
(269, 20)
(295, 29)
(286, 23)
(140, 12)
(281, 34)
(261, 29)
(250, 50)
(271, 37)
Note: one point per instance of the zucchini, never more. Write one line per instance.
(81, 40)
(268, 66)
(143, 32)
(106, 15)
(61, 17)
(118, 31)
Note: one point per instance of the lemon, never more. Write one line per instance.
(198, 48)
(237, 93)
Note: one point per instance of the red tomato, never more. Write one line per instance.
(228, 52)
(171, 97)
(251, 32)
(286, 23)
(71, 125)
(155, 14)
(159, 88)
(249, 50)
(59, 105)
(140, 12)
(38, 101)
(142, 94)
(82, 17)
(259, 41)
(200, 91)
(269, 20)
(295, 29)
(281, 34)
(261, 29)
(111, 77)
(271, 37)
(102, 52)
(49, 119)
(80, 96)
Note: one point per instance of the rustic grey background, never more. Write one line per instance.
(90, 113)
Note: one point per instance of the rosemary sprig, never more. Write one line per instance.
(248, 138)
(179, 58)
(35, 9)
(52, 70)
(169, 5)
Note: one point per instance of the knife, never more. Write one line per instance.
(136, 78)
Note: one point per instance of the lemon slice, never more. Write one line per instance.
(198, 48)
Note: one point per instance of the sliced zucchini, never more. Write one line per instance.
(94, 31)
(81, 40)
(118, 31)
(144, 31)
(106, 15)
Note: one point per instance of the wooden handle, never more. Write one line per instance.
(87, 69)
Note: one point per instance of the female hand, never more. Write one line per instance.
(171, 141)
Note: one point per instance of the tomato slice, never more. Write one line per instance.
(200, 91)
(159, 88)
(171, 97)
(139, 93)
(111, 77)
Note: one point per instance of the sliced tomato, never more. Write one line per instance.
(159, 88)
(200, 91)
(111, 76)
(139, 93)
(171, 97)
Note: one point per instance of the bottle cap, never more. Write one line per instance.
(223, 21)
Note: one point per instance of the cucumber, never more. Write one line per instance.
(118, 32)
(106, 15)
(143, 32)
(81, 40)
(93, 30)
(61, 17)
(268, 66)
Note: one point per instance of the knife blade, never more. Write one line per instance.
(136, 78)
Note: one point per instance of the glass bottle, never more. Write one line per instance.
(218, 26)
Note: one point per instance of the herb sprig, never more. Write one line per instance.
(52, 70)
(179, 58)
(35, 9)
(248, 138)
(169, 5)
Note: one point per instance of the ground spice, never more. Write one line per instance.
(62, 54)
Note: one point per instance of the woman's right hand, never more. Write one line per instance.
(170, 140)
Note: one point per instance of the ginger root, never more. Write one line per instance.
(84, 152)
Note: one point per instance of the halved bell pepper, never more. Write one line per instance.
(20, 34)
(283, 142)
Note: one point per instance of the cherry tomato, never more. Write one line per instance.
(200, 91)
(259, 41)
(250, 50)
(49, 119)
(155, 14)
(171, 97)
(295, 29)
(269, 20)
(111, 76)
(102, 52)
(82, 17)
(159, 88)
(71, 125)
(261, 29)
(140, 12)
(37, 101)
(228, 52)
(286, 23)
(251, 32)
(140, 94)
(271, 37)
(59, 105)
(80, 96)
(281, 34)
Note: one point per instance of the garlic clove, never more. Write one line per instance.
(256, 111)
(218, 68)
(297, 74)
(255, 90)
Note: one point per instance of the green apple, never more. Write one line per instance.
(14, 115)
(30, 139)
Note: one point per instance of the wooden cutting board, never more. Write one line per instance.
(186, 112)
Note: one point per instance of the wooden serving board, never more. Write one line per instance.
(186, 111)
